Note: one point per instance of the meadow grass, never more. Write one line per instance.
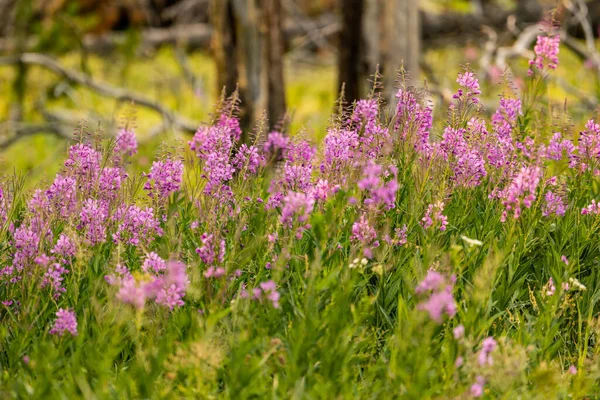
(399, 258)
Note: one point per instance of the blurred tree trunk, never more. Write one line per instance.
(377, 35)
(401, 42)
(248, 46)
(224, 45)
(350, 61)
(392, 34)
(274, 60)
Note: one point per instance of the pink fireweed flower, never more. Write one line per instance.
(322, 190)
(110, 182)
(83, 164)
(153, 263)
(121, 273)
(174, 284)
(365, 234)
(207, 251)
(367, 110)
(167, 289)
(248, 160)
(521, 192)
(400, 237)
(564, 259)
(466, 163)
(136, 226)
(432, 281)
(62, 196)
(296, 174)
(164, 178)
(487, 347)
(434, 214)
(92, 221)
(231, 124)
(477, 388)
(458, 332)
(572, 370)
(65, 322)
(54, 278)
(136, 293)
(380, 192)
(296, 207)
(413, 120)
(593, 208)
(213, 145)
(64, 247)
(438, 304)
(440, 300)
(276, 142)
(39, 203)
(500, 150)
(374, 137)
(170, 296)
(126, 143)
(546, 53)
(214, 272)
(554, 205)
(340, 146)
(557, 146)
(469, 86)
(549, 289)
(25, 241)
(267, 291)
(588, 149)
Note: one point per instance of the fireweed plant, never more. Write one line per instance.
(395, 260)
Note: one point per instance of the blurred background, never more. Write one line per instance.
(68, 66)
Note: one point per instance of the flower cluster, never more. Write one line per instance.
(380, 192)
(413, 120)
(66, 321)
(267, 291)
(440, 300)
(164, 178)
(434, 214)
(136, 226)
(366, 235)
(297, 208)
(546, 53)
(213, 145)
(248, 160)
(126, 143)
(166, 287)
(521, 192)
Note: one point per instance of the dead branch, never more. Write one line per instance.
(102, 88)
(13, 131)
(580, 12)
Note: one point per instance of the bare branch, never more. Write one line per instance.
(14, 131)
(102, 88)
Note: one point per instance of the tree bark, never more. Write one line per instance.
(392, 36)
(224, 45)
(351, 49)
(248, 44)
(401, 42)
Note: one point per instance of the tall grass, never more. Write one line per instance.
(392, 261)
